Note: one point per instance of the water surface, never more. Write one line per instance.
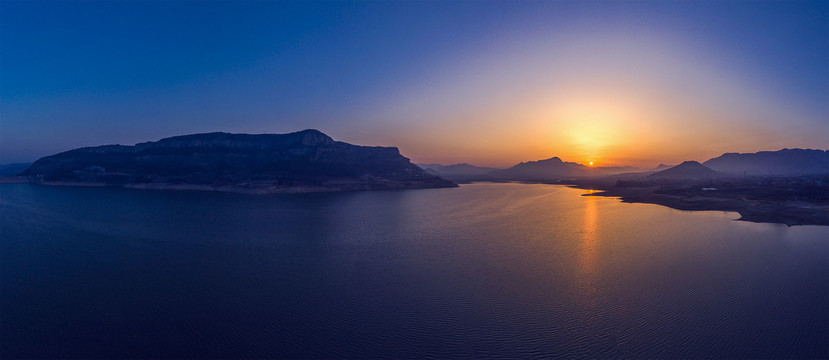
(484, 270)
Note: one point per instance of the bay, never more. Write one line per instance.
(484, 270)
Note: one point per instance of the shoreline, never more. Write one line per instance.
(751, 207)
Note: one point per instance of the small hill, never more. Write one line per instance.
(686, 170)
(549, 169)
(302, 161)
(781, 162)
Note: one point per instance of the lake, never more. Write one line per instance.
(484, 270)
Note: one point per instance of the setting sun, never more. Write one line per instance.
(590, 163)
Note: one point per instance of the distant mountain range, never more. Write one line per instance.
(552, 168)
(781, 162)
(302, 161)
(785, 162)
(549, 169)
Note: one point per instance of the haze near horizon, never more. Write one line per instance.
(490, 83)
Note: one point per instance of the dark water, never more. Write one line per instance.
(486, 270)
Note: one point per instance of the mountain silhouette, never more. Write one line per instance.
(549, 169)
(781, 162)
(264, 162)
(686, 170)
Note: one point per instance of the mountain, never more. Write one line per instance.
(687, 170)
(463, 170)
(781, 162)
(549, 169)
(13, 169)
(302, 161)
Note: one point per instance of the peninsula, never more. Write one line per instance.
(787, 186)
(799, 196)
(790, 200)
(304, 161)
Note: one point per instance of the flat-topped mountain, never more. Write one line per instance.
(302, 161)
(687, 170)
(781, 162)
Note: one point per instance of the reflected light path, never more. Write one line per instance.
(587, 255)
(587, 272)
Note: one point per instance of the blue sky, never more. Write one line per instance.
(492, 83)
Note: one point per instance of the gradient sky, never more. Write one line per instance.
(489, 83)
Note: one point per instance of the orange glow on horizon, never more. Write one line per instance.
(615, 109)
(587, 98)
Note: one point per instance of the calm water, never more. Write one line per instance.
(486, 270)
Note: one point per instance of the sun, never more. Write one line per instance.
(590, 163)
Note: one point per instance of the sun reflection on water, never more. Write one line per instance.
(587, 254)
(587, 271)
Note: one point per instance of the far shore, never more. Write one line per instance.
(753, 207)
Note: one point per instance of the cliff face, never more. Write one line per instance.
(265, 162)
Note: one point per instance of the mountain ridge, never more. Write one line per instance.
(780, 162)
(307, 160)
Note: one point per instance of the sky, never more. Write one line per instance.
(483, 82)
